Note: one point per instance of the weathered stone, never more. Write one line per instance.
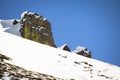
(83, 51)
(65, 47)
(15, 22)
(36, 28)
(3, 57)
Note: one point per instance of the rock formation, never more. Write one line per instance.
(83, 51)
(37, 28)
(3, 57)
(65, 47)
(15, 22)
(79, 50)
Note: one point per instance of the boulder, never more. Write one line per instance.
(37, 28)
(65, 47)
(15, 22)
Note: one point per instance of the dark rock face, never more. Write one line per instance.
(79, 50)
(3, 57)
(13, 72)
(37, 28)
(65, 47)
(83, 51)
(15, 22)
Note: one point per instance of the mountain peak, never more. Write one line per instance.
(37, 28)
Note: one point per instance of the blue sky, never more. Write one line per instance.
(94, 24)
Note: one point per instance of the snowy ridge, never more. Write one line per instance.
(44, 59)
(7, 26)
(31, 13)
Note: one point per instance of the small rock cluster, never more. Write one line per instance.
(79, 50)
(13, 72)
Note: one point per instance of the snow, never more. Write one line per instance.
(37, 17)
(7, 26)
(22, 15)
(44, 19)
(45, 59)
(45, 34)
(62, 46)
(26, 12)
(6, 76)
(79, 49)
(40, 28)
(29, 13)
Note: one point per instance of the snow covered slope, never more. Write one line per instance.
(8, 26)
(44, 59)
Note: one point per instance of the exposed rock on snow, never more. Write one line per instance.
(12, 72)
(37, 28)
(10, 26)
(52, 61)
(82, 51)
(65, 47)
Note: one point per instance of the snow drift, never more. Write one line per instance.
(48, 60)
(38, 57)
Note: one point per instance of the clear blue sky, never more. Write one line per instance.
(94, 24)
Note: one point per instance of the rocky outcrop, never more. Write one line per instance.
(65, 47)
(12, 72)
(37, 28)
(3, 57)
(15, 22)
(83, 51)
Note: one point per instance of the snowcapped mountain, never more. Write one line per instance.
(52, 61)
(44, 59)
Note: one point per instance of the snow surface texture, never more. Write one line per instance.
(7, 26)
(48, 60)
(44, 59)
(13, 72)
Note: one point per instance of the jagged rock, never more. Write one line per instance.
(15, 22)
(3, 57)
(12, 72)
(37, 28)
(65, 47)
(83, 51)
